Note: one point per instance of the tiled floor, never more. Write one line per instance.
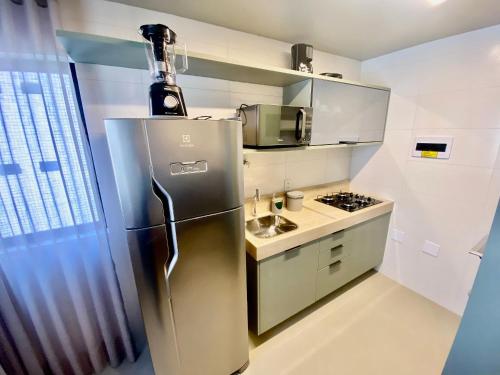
(373, 326)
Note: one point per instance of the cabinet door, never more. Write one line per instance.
(287, 283)
(347, 112)
(368, 244)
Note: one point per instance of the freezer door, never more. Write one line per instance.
(197, 165)
(131, 169)
(208, 287)
(149, 255)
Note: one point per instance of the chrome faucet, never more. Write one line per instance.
(256, 198)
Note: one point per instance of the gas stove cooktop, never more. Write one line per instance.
(347, 201)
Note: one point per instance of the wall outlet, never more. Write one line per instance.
(287, 184)
(398, 235)
(431, 248)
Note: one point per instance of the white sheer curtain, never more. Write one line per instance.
(61, 310)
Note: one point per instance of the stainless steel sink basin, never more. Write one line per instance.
(270, 226)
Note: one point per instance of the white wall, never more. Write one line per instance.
(447, 87)
(119, 92)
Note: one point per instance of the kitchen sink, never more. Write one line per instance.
(270, 226)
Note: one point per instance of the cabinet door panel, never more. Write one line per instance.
(368, 243)
(346, 112)
(287, 284)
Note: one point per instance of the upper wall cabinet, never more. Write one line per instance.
(348, 113)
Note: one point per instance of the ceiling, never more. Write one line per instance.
(359, 29)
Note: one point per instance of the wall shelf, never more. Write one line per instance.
(247, 151)
(96, 49)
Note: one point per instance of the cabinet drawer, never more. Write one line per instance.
(329, 255)
(286, 285)
(332, 277)
(333, 240)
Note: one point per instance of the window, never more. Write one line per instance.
(44, 177)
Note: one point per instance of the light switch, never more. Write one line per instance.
(431, 248)
(398, 235)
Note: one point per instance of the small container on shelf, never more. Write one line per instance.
(294, 200)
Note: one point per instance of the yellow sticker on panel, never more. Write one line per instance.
(430, 154)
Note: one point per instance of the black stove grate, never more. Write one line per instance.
(347, 201)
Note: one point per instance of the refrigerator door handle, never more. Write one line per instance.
(172, 239)
(175, 257)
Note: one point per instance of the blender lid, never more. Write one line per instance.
(158, 31)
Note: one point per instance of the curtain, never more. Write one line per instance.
(61, 310)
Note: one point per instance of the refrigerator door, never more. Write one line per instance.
(197, 165)
(149, 255)
(208, 288)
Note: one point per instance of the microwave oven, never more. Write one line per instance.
(266, 125)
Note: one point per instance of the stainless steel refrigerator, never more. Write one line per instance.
(180, 189)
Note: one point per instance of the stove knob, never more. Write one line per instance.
(369, 199)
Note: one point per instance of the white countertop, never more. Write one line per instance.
(314, 221)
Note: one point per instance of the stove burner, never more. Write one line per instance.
(349, 206)
(343, 196)
(327, 199)
(347, 201)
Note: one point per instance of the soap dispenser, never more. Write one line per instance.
(276, 204)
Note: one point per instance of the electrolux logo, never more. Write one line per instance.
(186, 141)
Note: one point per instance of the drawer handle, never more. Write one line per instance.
(334, 264)
(292, 249)
(292, 253)
(336, 248)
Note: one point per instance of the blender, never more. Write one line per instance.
(165, 97)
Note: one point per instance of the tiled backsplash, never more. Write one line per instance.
(268, 171)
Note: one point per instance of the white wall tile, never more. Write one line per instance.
(444, 88)
(264, 158)
(206, 97)
(238, 98)
(338, 164)
(193, 82)
(303, 155)
(269, 178)
(449, 182)
(304, 173)
(401, 112)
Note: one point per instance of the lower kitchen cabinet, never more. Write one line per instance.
(284, 284)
